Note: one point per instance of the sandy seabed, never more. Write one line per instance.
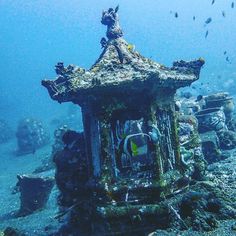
(43, 222)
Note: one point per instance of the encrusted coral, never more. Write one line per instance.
(227, 139)
(31, 135)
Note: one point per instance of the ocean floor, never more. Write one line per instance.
(221, 175)
(221, 179)
(40, 223)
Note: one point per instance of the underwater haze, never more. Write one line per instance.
(46, 142)
(35, 35)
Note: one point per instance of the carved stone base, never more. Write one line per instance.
(34, 192)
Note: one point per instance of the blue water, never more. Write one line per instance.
(35, 35)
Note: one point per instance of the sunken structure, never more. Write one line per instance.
(31, 135)
(130, 152)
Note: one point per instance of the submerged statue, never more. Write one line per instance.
(131, 159)
(114, 33)
(110, 18)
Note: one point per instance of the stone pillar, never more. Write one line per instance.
(154, 147)
(92, 140)
(87, 134)
(106, 152)
(175, 140)
(95, 145)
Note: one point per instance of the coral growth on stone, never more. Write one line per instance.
(31, 135)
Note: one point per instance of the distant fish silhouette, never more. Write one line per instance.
(117, 9)
(208, 21)
(232, 5)
(206, 34)
(194, 17)
(213, 1)
(227, 59)
(223, 14)
(225, 52)
(176, 15)
(199, 98)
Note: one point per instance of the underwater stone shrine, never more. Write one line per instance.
(132, 151)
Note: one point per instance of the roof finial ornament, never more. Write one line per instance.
(110, 19)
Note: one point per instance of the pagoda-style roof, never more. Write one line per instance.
(119, 69)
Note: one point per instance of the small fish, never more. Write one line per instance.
(126, 144)
(131, 47)
(206, 34)
(225, 52)
(213, 1)
(208, 21)
(194, 17)
(227, 59)
(199, 98)
(134, 149)
(176, 15)
(232, 5)
(223, 13)
(117, 9)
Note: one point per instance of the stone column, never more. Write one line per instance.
(154, 147)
